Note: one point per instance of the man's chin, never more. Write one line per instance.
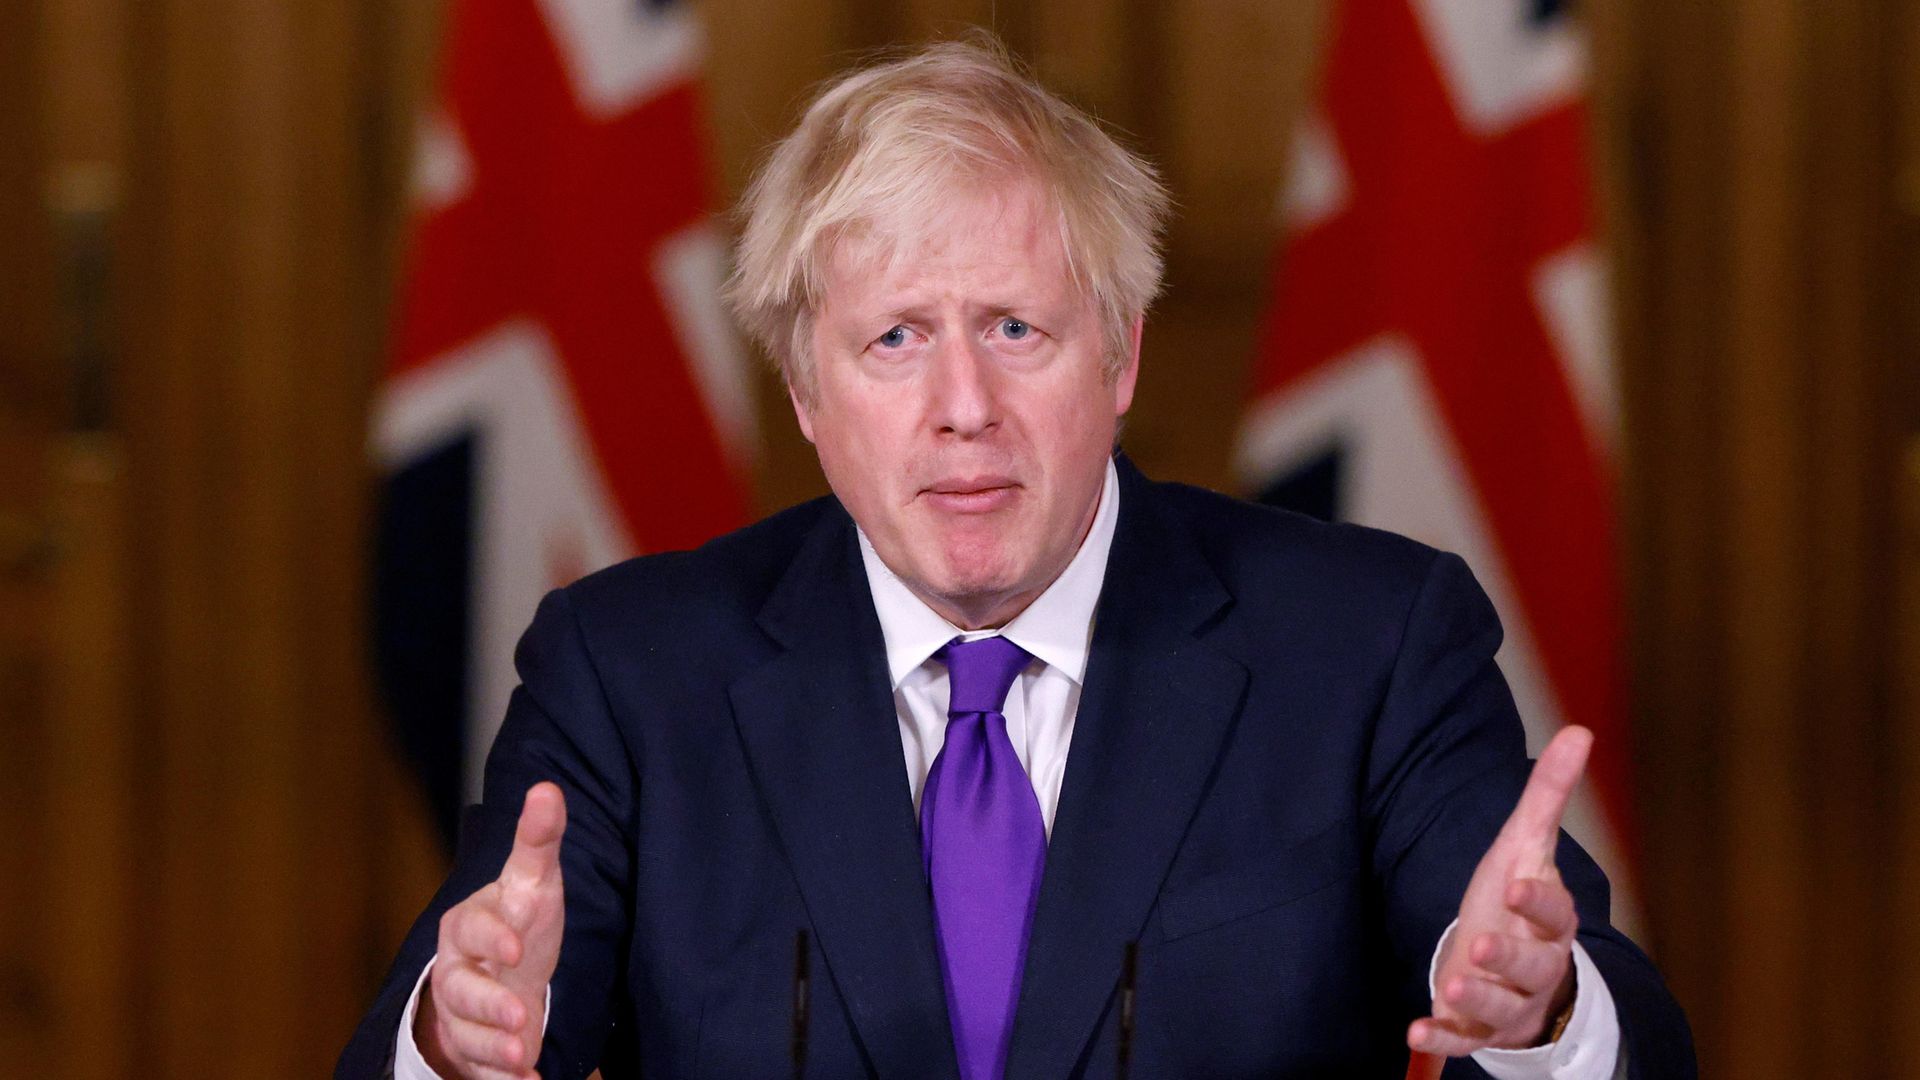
(973, 600)
(977, 573)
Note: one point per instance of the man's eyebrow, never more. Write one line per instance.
(913, 308)
(1046, 307)
(1029, 307)
(901, 310)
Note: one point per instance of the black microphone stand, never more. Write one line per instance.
(800, 1005)
(1129, 977)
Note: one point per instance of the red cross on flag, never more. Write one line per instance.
(1436, 358)
(565, 388)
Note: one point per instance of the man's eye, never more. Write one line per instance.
(1014, 329)
(894, 338)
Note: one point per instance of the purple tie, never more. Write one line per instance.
(984, 845)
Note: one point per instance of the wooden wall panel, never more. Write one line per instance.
(1236, 75)
(1898, 290)
(1766, 584)
(756, 87)
(1086, 50)
(258, 209)
(31, 391)
(1666, 151)
(1903, 850)
(1853, 445)
(1765, 370)
(28, 388)
(92, 923)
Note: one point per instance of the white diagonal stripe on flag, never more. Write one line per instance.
(1502, 68)
(621, 52)
(686, 266)
(538, 487)
(1571, 291)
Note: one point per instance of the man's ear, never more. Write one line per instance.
(801, 411)
(1130, 374)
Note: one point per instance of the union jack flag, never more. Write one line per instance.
(1436, 357)
(565, 389)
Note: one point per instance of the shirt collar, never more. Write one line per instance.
(1057, 628)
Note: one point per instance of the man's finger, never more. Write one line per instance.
(470, 994)
(1546, 905)
(1533, 966)
(536, 842)
(1478, 1000)
(483, 1047)
(1536, 820)
(477, 932)
(1446, 1038)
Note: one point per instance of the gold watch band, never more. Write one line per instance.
(1560, 1024)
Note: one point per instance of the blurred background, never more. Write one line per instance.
(212, 214)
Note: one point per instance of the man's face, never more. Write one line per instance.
(960, 408)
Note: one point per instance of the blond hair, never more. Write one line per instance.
(881, 148)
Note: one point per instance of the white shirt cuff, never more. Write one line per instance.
(408, 1064)
(1586, 1050)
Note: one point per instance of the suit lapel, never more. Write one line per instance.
(823, 741)
(1153, 716)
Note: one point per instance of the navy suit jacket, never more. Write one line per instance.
(1293, 746)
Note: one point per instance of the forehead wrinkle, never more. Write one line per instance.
(977, 245)
(911, 303)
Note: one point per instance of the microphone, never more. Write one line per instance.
(1129, 976)
(800, 1004)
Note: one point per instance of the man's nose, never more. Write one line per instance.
(963, 389)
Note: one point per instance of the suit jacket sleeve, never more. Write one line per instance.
(558, 727)
(1446, 767)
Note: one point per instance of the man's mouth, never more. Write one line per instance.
(971, 495)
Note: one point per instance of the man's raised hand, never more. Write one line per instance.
(1508, 967)
(484, 1007)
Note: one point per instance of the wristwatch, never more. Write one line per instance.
(1560, 1024)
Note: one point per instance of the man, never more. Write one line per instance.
(1002, 706)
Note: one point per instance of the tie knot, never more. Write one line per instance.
(980, 672)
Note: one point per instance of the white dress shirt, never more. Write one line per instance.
(1057, 631)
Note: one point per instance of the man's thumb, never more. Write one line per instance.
(536, 841)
